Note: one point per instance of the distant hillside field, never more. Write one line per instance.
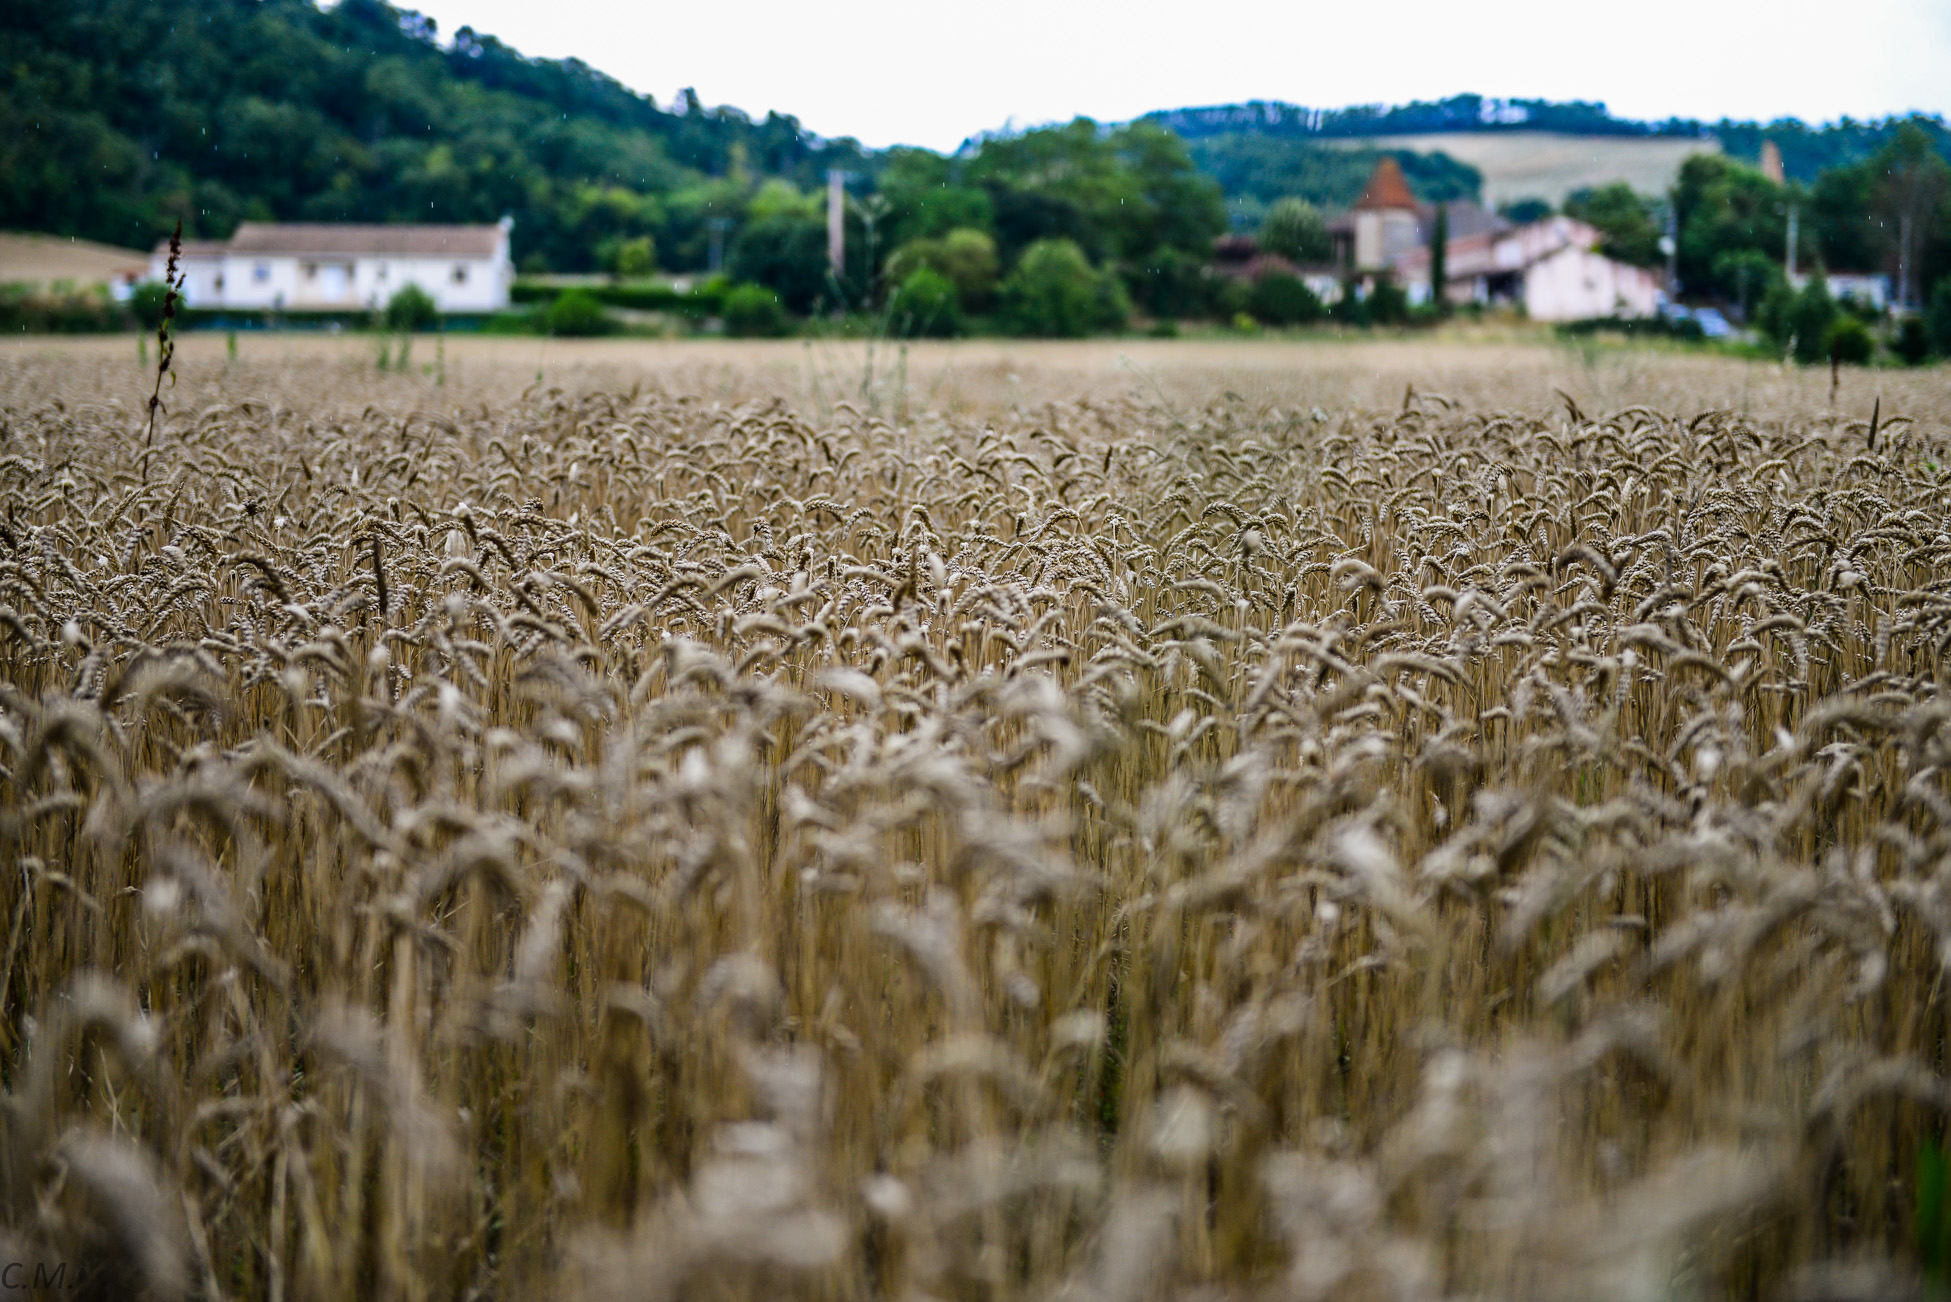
(1547, 165)
(51, 259)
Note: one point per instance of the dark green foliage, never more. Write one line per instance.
(1806, 150)
(1056, 293)
(1257, 172)
(1295, 229)
(1931, 1215)
(754, 312)
(1849, 340)
(789, 254)
(1439, 261)
(1388, 304)
(1525, 211)
(412, 308)
(1644, 327)
(1119, 194)
(1799, 322)
(121, 115)
(926, 305)
(705, 300)
(1278, 299)
(1912, 342)
(577, 314)
(1626, 219)
(1351, 309)
(629, 259)
(1937, 318)
(1172, 284)
(146, 303)
(1725, 207)
(964, 256)
(1747, 277)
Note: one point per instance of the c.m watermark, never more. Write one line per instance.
(42, 1277)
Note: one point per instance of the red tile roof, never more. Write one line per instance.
(1387, 187)
(347, 238)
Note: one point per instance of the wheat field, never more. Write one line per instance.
(1308, 828)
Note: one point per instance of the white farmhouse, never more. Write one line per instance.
(342, 267)
(1552, 267)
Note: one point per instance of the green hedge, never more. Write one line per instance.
(706, 300)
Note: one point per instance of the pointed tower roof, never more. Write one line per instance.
(1387, 187)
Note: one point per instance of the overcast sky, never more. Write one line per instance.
(915, 72)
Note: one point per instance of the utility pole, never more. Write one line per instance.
(836, 222)
(1793, 214)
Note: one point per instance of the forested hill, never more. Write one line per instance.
(1806, 150)
(119, 116)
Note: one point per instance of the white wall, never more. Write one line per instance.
(341, 283)
(1576, 284)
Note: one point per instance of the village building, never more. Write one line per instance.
(1384, 224)
(344, 267)
(1553, 268)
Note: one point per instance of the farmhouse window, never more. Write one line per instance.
(261, 272)
(460, 273)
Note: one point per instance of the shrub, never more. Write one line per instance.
(146, 302)
(629, 259)
(1388, 304)
(1054, 292)
(1283, 300)
(1913, 341)
(967, 258)
(1809, 317)
(926, 306)
(412, 308)
(1350, 309)
(1172, 283)
(1849, 340)
(754, 312)
(576, 315)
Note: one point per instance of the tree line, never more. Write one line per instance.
(120, 117)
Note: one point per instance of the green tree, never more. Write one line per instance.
(146, 302)
(631, 259)
(1937, 317)
(1798, 322)
(1914, 184)
(1525, 211)
(1278, 299)
(1387, 304)
(411, 308)
(787, 254)
(1055, 292)
(1721, 207)
(1439, 260)
(1747, 277)
(1294, 229)
(754, 312)
(1628, 222)
(577, 314)
(1912, 342)
(1172, 284)
(1849, 340)
(928, 199)
(965, 257)
(926, 305)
